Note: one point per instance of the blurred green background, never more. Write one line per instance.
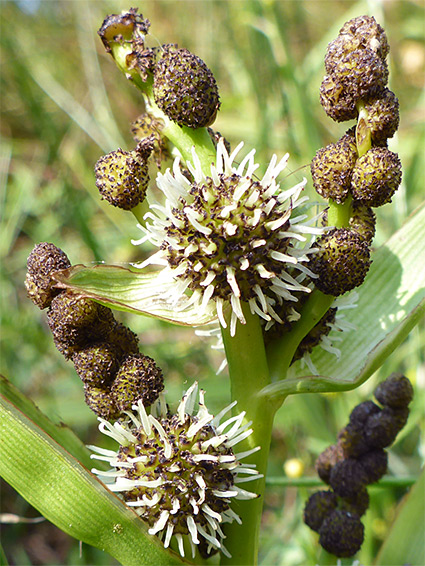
(64, 103)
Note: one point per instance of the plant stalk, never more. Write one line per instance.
(248, 370)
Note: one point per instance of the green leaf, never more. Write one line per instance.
(69, 496)
(405, 541)
(391, 303)
(61, 433)
(132, 291)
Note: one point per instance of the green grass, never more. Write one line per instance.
(63, 104)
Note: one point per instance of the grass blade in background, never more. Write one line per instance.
(405, 543)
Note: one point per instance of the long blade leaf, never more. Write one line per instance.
(391, 303)
(132, 291)
(69, 496)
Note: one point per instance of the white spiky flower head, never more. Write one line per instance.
(179, 471)
(230, 237)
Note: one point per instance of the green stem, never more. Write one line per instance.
(339, 214)
(385, 482)
(249, 373)
(140, 210)
(184, 138)
(363, 135)
(281, 351)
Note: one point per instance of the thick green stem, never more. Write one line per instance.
(249, 373)
(281, 351)
(339, 214)
(185, 138)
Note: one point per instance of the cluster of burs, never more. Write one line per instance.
(357, 460)
(104, 352)
(359, 172)
(177, 82)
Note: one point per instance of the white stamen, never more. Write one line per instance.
(190, 249)
(243, 494)
(219, 306)
(237, 308)
(208, 511)
(278, 256)
(180, 543)
(209, 538)
(263, 272)
(231, 279)
(146, 423)
(258, 291)
(208, 279)
(191, 525)
(208, 293)
(168, 535)
(230, 228)
(228, 209)
(252, 199)
(191, 215)
(241, 455)
(256, 310)
(255, 219)
(176, 506)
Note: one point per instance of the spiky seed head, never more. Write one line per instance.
(179, 471)
(96, 364)
(122, 177)
(124, 340)
(347, 477)
(356, 505)
(69, 340)
(395, 392)
(185, 89)
(368, 33)
(341, 534)
(382, 428)
(362, 73)
(327, 460)
(77, 322)
(363, 221)
(342, 261)
(138, 378)
(375, 464)
(331, 169)
(319, 505)
(101, 402)
(376, 177)
(70, 309)
(363, 411)
(338, 102)
(44, 260)
(382, 115)
(352, 440)
(354, 37)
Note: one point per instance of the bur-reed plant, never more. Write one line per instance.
(219, 378)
